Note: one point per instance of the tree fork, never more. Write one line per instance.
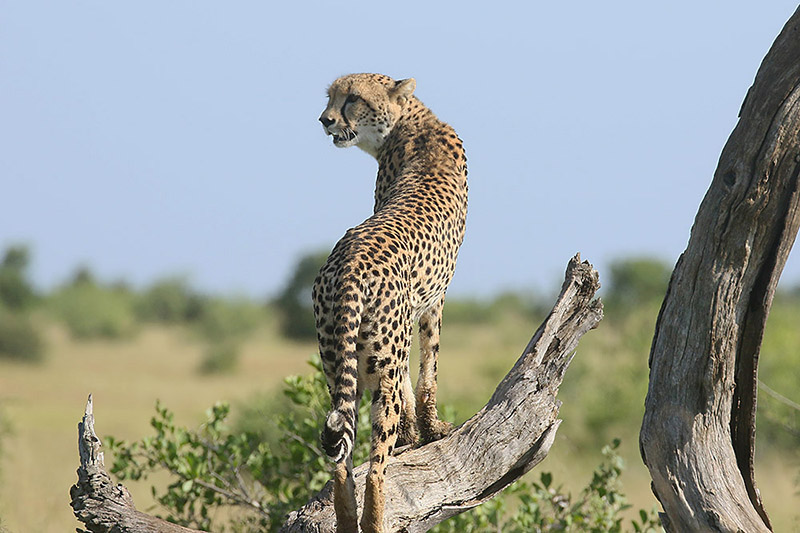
(698, 432)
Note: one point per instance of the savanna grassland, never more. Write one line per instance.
(168, 342)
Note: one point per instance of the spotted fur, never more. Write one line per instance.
(385, 274)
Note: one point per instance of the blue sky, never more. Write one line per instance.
(145, 139)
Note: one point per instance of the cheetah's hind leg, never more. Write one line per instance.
(407, 433)
(339, 435)
(385, 415)
(337, 438)
(430, 426)
(344, 498)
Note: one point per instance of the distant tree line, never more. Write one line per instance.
(632, 293)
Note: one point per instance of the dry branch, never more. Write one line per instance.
(697, 435)
(426, 485)
(99, 504)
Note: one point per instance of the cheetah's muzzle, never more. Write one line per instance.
(344, 136)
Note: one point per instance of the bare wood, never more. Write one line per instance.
(491, 450)
(426, 485)
(97, 502)
(697, 435)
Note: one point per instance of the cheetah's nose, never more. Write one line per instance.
(326, 121)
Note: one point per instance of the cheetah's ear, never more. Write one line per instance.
(403, 90)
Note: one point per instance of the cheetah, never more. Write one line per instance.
(384, 275)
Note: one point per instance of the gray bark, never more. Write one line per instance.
(429, 484)
(697, 436)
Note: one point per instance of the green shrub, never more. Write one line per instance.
(91, 311)
(261, 479)
(542, 507)
(257, 415)
(484, 311)
(294, 302)
(220, 358)
(636, 281)
(223, 324)
(19, 339)
(466, 311)
(212, 467)
(169, 301)
(16, 292)
(228, 320)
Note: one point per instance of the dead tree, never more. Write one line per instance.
(697, 435)
(425, 485)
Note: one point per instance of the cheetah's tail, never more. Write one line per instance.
(339, 433)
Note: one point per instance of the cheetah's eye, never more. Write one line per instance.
(351, 98)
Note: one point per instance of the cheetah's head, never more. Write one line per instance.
(363, 109)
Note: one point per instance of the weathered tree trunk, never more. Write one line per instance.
(426, 485)
(697, 435)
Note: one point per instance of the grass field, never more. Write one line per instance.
(44, 403)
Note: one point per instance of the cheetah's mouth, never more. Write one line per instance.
(345, 136)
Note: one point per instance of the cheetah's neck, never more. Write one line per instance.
(419, 147)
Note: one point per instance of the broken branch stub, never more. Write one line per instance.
(99, 504)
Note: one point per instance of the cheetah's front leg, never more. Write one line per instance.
(430, 427)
